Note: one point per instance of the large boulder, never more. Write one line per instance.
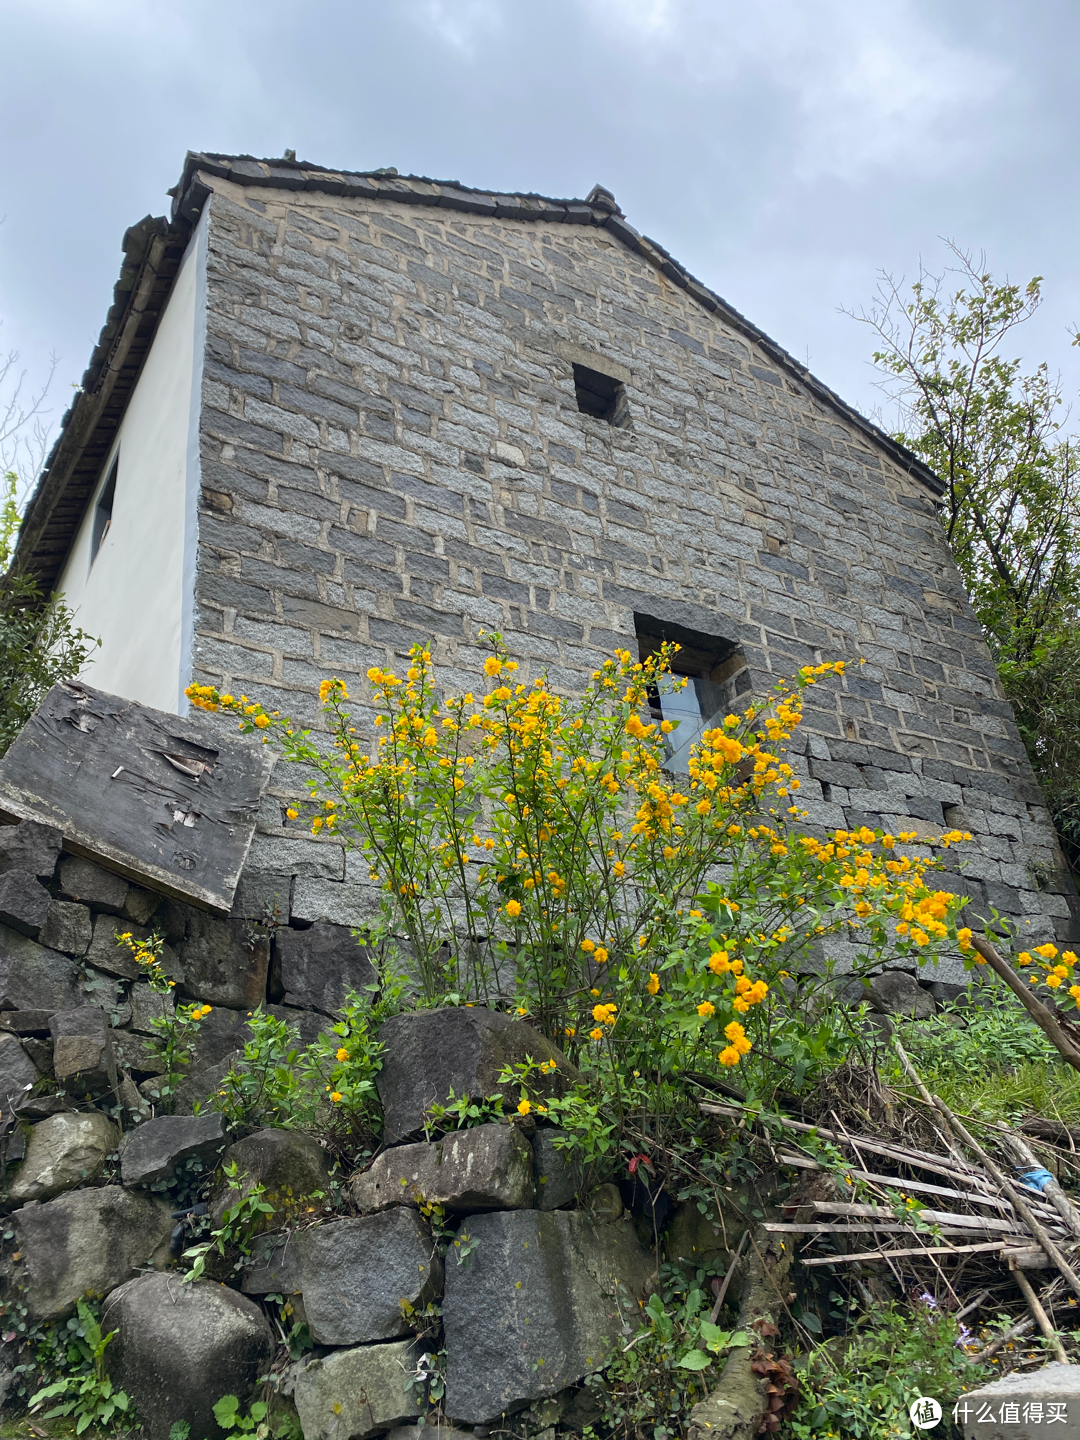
(290, 1166)
(159, 1148)
(1016, 1403)
(464, 1048)
(489, 1167)
(62, 1152)
(274, 1267)
(85, 1240)
(33, 977)
(225, 962)
(537, 1305)
(316, 968)
(179, 1348)
(17, 1071)
(357, 1275)
(352, 1394)
(83, 1058)
(559, 1177)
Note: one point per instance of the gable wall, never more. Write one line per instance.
(391, 451)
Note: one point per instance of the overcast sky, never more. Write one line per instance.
(783, 150)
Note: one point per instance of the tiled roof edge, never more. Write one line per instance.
(598, 208)
(153, 250)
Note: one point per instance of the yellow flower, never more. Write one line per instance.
(524, 1107)
(728, 1056)
(262, 721)
(604, 1014)
(706, 1009)
(600, 955)
(513, 909)
(619, 869)
(963, 938)
(291, 813)
(596, 1034)
(342, 1054)
(653, 987)
(588, 946)
(719, 963)
(493, 665)
(335, 1096)
(571, 1030)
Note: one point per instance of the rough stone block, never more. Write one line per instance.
(895, 992)
(31, 847)
(356, 1273)
(147, 1006)
(24, 902)
(86, 1240)
(62, 1152)
(67, 927)
(430, 1052)
(33, 977)
(111, 958)
(345, 903)
(83, 1058)
(224, 962)
(140, 905)
(289, 1164)
(179, 1348)
(353, 1394)
(536, 1308)
(275, 1267)
(316, 968)
(17, 1071)
(488, 1167)
(88, 883)
(558, 1178)
(158, 1148)
(1002, 1410)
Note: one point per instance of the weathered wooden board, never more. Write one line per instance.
(163, 800)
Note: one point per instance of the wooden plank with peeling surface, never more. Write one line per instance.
(163, 800)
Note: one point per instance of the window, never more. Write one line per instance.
(716, 674)
(103, 510)
(601, 396)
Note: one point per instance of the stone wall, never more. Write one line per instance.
(392, 452)
(102, 1182)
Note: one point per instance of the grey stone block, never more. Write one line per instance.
(83, 1058)
(31, 847)
(289, 1164)
(17, 1071)
(84, 881)
(147, 1006)
(487, 1167)
(224, 962)
(275, 1266)
(67, 927)
(536, 1308)
(62, 1152)
(430, 1052)
(179, 1348)
(354, 1394)
(33, 977)
(317, 967)
(24, 902)
(1006, 1409)
(158, 1148)
(356, 1273)
(86, 1240)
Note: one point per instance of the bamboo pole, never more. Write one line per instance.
(1044, 1018)
(1041, 1317)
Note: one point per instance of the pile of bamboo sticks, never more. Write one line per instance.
(971, 1206)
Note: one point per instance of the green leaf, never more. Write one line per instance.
(225, 1411)
(695, 1360)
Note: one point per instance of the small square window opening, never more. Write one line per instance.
(716, 676)
(103, 511)
(601, 396)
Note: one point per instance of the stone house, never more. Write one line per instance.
(332, 414)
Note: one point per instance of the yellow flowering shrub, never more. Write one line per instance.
(547, 826)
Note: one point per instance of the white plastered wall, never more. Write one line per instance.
(137, 594)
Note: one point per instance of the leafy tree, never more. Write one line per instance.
(993, 433)
(39, 642)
